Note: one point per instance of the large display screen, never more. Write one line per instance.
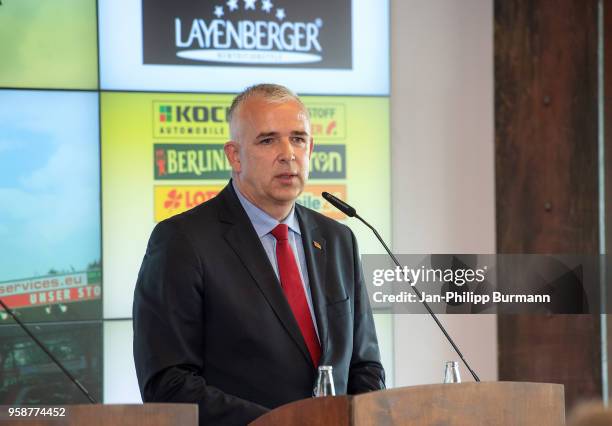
(50, 214)
(29, 377)
(336, 47)
(48, 44)
(113, 116)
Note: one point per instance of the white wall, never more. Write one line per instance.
(442, 134)
(120, 382)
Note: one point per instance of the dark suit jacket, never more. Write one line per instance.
(212, 325)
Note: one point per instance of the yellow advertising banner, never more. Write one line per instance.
(163, 154)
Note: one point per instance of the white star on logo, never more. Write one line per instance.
(232, 5)
(280, 14)
(319, 22)
(249, 4)
(266, 6)
(218, 11)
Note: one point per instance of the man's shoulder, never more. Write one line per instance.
(322, 222)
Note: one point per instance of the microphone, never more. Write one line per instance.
(49, 354)
(351, 212)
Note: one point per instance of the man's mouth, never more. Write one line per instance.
(286, 176)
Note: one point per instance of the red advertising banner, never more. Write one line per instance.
(65, 295)
(51, 289)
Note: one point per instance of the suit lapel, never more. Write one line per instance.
(243, 239)
(316, 261)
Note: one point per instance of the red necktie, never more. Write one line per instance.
(294, 291)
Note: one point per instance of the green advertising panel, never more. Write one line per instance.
(163, 154)
(48, 44)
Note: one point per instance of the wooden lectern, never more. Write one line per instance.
(490, 403)
(116, 415)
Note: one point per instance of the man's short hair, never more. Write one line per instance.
(268, 91)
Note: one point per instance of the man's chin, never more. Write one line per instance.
(287, 194)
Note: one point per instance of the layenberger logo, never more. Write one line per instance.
(247, 32)
(248, 41)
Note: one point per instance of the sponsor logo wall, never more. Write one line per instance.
(162, 154)
(135, 135)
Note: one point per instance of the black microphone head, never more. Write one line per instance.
(339, 204)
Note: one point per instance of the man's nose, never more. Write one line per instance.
(287, 152)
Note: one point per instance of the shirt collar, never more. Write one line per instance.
(262, 221)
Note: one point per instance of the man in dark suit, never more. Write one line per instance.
(239, 300)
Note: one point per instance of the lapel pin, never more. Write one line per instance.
(317, 245)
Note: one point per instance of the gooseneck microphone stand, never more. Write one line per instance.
(351, 212)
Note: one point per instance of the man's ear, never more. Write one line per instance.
(232, 152)
(311, 147)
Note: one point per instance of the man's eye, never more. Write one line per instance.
(266, 141)
(299, 139)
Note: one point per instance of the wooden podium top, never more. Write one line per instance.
(488, 403)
